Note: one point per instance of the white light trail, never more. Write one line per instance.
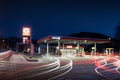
(45, 68)
(67, 66)
(16, 67)
(109, 70)
(52, 68)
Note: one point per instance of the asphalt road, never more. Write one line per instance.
(18, 68)
(59, 68)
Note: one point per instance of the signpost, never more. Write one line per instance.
(26, 36)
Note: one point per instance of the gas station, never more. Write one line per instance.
(70, 45)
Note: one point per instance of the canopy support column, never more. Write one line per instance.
(95, 49)
(47, 48)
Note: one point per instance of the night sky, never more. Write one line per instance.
(58, 17)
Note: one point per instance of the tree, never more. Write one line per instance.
(117, 34)
(11, 41)
(89, 35)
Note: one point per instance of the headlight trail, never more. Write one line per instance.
(41, 70)
(18, 68)
(5, 54)
(100, 66)
(109, 69)
(49, 70)
(32, 69)
(67, 66)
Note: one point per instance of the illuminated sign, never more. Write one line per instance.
(26, 39)
(69, 47)
(55, 37)
(26, 35)
(26, 31)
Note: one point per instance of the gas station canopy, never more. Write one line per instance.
(72, 40)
